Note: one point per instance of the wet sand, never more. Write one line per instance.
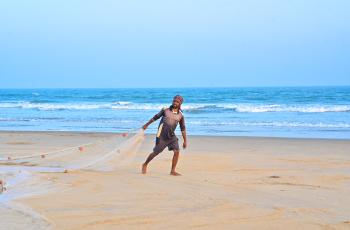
(227, 183)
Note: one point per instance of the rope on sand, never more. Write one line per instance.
(125, 149)
(43, 155)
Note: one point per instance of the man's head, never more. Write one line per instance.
(177, 101)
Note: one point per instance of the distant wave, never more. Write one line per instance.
(273, 124)
(293, 108)
(8, 119)
(52, 106)
(192, 108)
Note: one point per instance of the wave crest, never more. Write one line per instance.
(194, 108)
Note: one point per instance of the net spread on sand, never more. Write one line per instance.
(103, 155)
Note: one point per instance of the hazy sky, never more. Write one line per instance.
(179, 43)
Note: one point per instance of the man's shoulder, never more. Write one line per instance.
(165, 108)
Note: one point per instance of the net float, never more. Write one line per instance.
(81, 148)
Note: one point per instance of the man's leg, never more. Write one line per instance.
(174, 162)
(149, 158)
(160, 146)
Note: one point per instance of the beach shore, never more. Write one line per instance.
(227, 183)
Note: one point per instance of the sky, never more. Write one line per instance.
(177, 43)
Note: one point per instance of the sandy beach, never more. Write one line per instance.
(227, 183)
(92, 91)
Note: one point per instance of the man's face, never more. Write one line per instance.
(176, 103)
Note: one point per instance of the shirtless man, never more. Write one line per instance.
(166, 137)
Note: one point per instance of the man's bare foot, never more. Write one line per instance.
(144, 169)
(175, 173)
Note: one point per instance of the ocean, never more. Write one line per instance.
(302, 112)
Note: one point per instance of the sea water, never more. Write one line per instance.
(315, 112)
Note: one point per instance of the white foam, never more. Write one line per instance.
(122, 103)
(125, 105)
(274, 124)
(292, 108)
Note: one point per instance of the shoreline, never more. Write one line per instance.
(178, 135)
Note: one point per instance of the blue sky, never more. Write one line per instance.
(180, 43)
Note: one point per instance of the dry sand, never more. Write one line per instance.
(227, 183)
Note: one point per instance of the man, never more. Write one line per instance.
(166, 137)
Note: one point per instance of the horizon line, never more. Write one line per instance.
(183, 87)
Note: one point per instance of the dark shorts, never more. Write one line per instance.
(161, 144)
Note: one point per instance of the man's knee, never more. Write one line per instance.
(176, 152)
(152, 155)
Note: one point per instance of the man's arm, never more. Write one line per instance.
(147, 124)
(183, 131)
(184, 145)
(156, 117)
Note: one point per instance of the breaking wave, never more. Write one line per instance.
(273, 124)
(194, 108)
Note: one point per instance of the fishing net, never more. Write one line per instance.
(103, 155)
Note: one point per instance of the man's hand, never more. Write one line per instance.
(184, 145)
(147, 124)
